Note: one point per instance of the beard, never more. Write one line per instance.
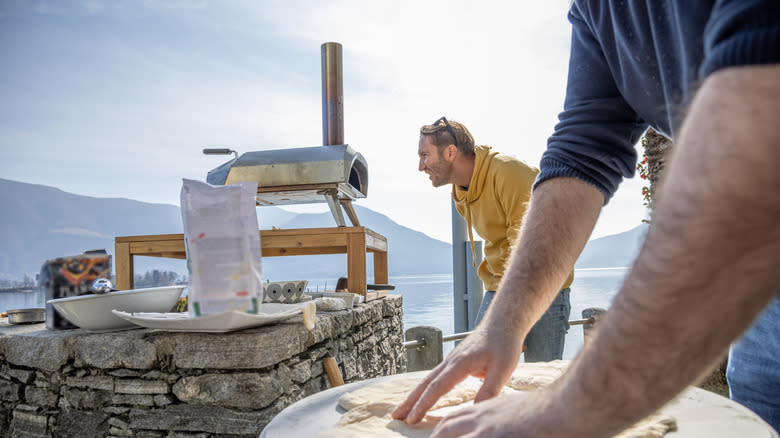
(440, 173)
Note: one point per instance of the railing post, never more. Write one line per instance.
(459, 282)
(428, 355)
(474, 287)
(589, 329)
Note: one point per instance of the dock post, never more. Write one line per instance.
(588, 329)
(429, 354)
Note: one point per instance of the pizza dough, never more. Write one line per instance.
(395, 391)
(534, 375)
(368, 409)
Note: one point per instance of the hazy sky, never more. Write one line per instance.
(118, 98)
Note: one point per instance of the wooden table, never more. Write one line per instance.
(354, 241)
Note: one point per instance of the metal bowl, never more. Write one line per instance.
(25, 316)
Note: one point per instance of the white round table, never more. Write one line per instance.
(699, 414)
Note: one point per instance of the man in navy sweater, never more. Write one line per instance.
(707, 74)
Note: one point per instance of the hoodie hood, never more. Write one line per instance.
(482, 162)
(464, 197)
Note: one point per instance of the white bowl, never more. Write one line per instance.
(93, 312)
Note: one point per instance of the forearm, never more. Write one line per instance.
(560, 219)
(708, 265)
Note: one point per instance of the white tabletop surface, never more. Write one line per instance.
(699, 414)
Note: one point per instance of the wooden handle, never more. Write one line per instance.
(332, 370)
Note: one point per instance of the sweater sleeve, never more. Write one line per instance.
(513, 181)
(741, 32)
(594, 139)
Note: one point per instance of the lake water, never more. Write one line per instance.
(428, 300)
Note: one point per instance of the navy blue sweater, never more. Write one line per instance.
(637, 63)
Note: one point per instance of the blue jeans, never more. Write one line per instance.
(545, 340)
(753, 372)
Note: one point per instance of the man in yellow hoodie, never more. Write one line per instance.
(491, 191)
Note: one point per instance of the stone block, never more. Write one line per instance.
(301, 372)
(116, 422)
(80, 399)
(124, 372)
(40, 396)
(10, 391)
(317, 369)
(138, 386)
(28, 424)
(161, 400)
(76, 423)
(239, 390)
(159, 375)
(23, 376)
(114, 350)
(186, 435)
(37, 350)
(5, 420)
(193, 418)
(314, 386)
(246, 349)
(133, 400)
(349, 363)
(151, 434)
(117, 432)
(322, 330)
(104, 383)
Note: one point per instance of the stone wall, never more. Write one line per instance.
(151, 383)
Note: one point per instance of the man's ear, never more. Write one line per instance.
(450, 152)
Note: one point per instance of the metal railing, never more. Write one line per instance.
(425, 348)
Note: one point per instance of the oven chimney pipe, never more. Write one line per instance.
(332, 95)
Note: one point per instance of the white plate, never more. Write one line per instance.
(223, 322)
(93, 312)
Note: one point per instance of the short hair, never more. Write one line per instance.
(440, 136)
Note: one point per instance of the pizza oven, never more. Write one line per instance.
(334, 172)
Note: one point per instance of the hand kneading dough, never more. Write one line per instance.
(369, 408)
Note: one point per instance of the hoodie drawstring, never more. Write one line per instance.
(471, 236)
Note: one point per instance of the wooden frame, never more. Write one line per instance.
(356, 242)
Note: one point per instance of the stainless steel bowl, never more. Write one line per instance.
(25, 316)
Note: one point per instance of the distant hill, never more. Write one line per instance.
(40, 223)
(614, 250)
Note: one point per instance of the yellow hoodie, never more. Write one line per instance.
(494, 204)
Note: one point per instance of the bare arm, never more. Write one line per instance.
(708, 266)
(561, 216)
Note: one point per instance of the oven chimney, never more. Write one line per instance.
(332, 95)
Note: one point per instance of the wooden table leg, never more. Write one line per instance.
(380, 268)
(356, 263)
(124, 266)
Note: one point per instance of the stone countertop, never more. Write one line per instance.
(34, 346)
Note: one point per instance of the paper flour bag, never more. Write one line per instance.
(222, 240)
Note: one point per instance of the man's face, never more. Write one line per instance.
(433, 163)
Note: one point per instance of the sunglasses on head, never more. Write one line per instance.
(449, 129)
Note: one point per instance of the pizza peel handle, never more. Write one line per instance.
(332, 370)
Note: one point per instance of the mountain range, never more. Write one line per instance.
(39, 222)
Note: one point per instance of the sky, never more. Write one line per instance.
(118, 99)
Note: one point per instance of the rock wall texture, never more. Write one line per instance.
(151, 383)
